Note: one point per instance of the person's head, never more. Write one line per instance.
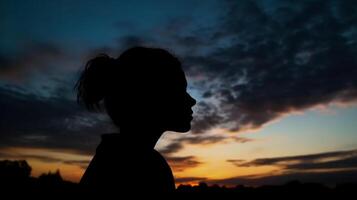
(142, 87)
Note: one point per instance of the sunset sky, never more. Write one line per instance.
(275, 83)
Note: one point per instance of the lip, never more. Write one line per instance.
(189, 115)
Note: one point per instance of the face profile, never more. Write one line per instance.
(174, 105)
(144, 91)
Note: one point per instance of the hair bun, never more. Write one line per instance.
(93, 82)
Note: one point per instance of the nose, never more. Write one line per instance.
(192, 100)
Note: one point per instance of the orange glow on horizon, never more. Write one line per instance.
(48, 160)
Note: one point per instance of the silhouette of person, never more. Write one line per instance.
(144, 93)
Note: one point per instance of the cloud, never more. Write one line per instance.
(329, 178)
(336, 164)
(205, 117)
(81, 163)
(271, 60)
(322, 161)
(185, 180)
(28, 120)
(208, 139)
(47, 159)
(182, 163)
(174, 147)
(236, 162)
(177, 144)
(34, 57)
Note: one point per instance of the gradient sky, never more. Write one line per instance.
(275, 82)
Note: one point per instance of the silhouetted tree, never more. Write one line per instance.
(51, 177)
(18, 169)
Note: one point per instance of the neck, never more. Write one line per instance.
(140, 138)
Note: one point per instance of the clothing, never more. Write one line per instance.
(118, 167)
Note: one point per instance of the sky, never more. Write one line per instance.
(275, 84)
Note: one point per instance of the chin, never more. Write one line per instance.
(181, 129)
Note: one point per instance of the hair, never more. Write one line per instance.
(136, 71)
(93, 82)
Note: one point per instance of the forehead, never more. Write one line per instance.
(179, 74)
(171, 70)
(174, 80)
(154, 69)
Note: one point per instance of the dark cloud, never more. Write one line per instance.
(48, 159)
(182, 163)
(185, 180)
(236, 162)
(327, 160)
(178, 144)
(206, 116)
(336, 164)
(34, 57)
(213, 139)
(81, 163)
(242, 139)
(270, 60)
(172, 148)
(28, 120)
(328, 178)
